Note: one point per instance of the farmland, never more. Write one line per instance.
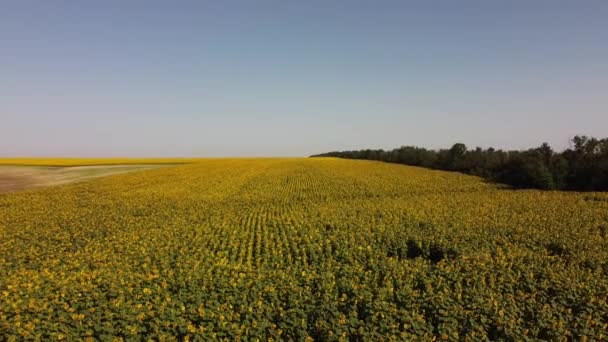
(302, 249)
(20, 177)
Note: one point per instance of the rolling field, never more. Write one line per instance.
(301, 249)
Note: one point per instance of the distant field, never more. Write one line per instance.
(14, 178)
(92, 161)
(302, 249)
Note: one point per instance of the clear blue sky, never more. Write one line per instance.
(227, 78)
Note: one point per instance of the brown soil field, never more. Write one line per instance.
(15, 178)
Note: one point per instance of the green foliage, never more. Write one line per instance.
(584, 168)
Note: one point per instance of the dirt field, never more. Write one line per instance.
(14, 178)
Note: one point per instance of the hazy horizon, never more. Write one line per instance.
(158, 79)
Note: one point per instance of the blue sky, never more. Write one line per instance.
(291, 78)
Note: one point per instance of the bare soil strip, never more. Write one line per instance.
(14, 178)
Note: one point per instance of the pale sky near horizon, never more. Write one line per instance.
(294, 78)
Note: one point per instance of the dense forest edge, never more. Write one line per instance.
(582, 167)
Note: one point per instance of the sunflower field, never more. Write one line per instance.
(301, 249)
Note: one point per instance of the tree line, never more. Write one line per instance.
(582, 167)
